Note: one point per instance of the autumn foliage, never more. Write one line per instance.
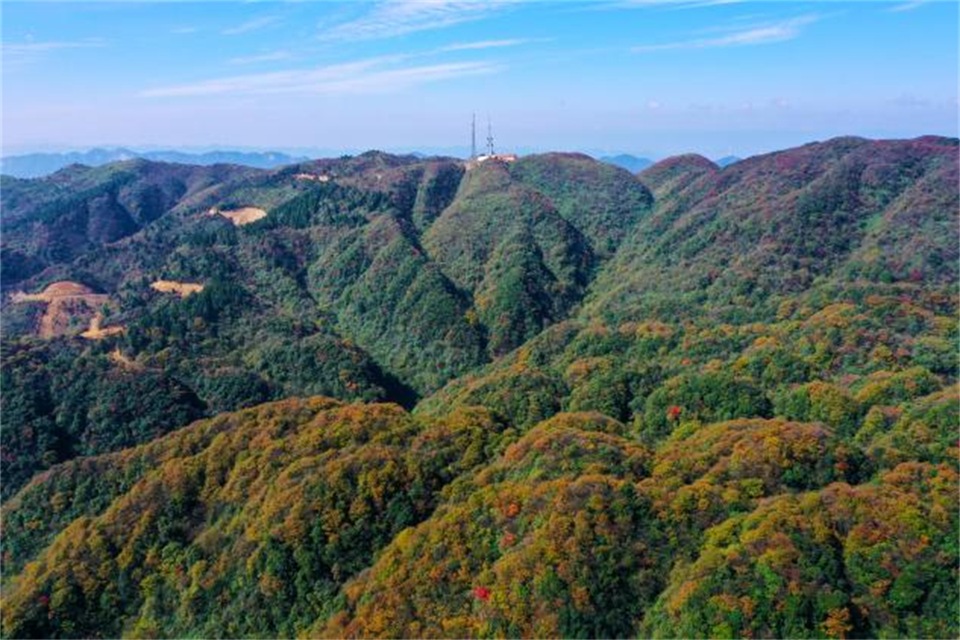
(535, 399)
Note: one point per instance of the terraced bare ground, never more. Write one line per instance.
(66, 301)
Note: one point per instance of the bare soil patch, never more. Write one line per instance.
(182, 289)
(68, 304)
(241, 216)
(312, 177)
(117, 357)
(96, 332)
(55, 290)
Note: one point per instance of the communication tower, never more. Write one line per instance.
(489, 138)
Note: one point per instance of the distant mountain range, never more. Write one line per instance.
(635, 164)
(35, 165)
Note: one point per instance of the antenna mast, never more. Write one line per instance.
(473, 137)
(489, 137)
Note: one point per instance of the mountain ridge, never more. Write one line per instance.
(540, 397)
(36, 165)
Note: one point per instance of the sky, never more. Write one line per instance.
(647, 77)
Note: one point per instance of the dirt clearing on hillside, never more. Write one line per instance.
(182, 289)
(96, 332)
(118, 358)
(312, 177)
(241, 216)
(68, 304)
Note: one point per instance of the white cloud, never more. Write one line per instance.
(15, 52)
(706, 3)
(486, 44)
(387, 19)
(180, 31)
(250, 25)
(666, 4)
(375, 75)
(271, 56)
(906, 6)
(760, 34)
(15, 48)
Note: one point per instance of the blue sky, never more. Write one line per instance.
(642, 76)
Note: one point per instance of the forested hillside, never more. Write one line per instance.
(390, 396)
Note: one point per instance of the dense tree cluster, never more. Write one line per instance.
(238, 525)
(57, 405)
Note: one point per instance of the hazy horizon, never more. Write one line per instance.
(716, 77)
(317, 153)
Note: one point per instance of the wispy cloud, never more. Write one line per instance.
(30, 50)
(488, 44)
(906, 6)
(758, 34)
(374, 75)
(706, 3)
(387, 19)
(271, 56)
(250, 25)
(181, 31)
(665, 4)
